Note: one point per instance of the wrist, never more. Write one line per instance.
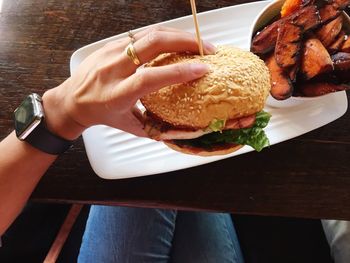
(57, 119)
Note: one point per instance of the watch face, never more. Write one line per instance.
(27, 116)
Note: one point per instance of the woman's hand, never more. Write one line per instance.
(106, 86)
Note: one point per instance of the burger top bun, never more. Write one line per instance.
(236, 85)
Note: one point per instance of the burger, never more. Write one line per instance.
(215, 114)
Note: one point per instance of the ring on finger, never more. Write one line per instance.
(131, 53)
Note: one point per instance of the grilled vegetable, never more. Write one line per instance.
(307, 18)
(288, 45)
(328, 13)
(329, 32)
(302, 41)
(281, 86)
(315, 59)
(265, 40)
(336, 45)
(346, 45)
(341, 61)
(293, 72)
(341, 4)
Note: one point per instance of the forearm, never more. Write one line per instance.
(21, 167)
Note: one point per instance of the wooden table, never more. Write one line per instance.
(308, 176)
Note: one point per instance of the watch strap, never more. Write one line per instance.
(42, 139)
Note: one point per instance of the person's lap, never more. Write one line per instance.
(117, 234)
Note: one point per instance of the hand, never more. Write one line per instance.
(106, 85)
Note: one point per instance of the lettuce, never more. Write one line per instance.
(254, 136)
(217, 125)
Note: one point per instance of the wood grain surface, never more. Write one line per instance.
(308, 176)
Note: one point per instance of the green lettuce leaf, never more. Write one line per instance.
(254, 136)
(217, 125)
(262, 119)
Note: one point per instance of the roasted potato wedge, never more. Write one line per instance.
(281, 86)
(338, 42)
(315, 59)
(328, 13)
(288, 45)
(346, 45)
(329, 32)
(293, 72)
(303, 40)
(341, 61)
(265, 40)
(341, 4)
(307, 18)
(314, 89)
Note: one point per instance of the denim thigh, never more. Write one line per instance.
(130, 235)
(205, 238)
(127, 235)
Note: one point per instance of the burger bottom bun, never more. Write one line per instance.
(202, 152)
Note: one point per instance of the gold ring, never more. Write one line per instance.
(130, 52)
(131, 36)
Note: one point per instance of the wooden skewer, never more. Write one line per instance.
(199, 40)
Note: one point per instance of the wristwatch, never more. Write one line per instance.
(30, 126)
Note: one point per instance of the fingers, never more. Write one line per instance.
(147, 80)
(149, 44)
(116, 76)
(157, 42)
(120, 44)
(143, 33)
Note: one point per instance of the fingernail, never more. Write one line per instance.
(209, 48)
(199, 69)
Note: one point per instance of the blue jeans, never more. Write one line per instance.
(128, 235)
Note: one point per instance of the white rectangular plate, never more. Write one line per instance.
(114, 154)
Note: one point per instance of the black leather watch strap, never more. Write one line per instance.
(42, 139)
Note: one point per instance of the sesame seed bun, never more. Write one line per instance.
(204, 152)
(236, 86)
